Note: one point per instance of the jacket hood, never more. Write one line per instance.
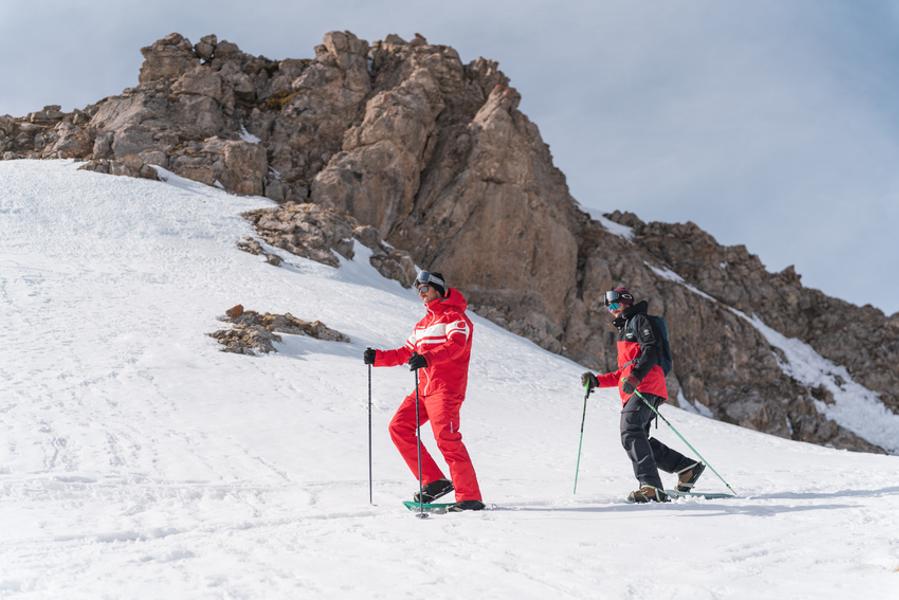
(638, 308)
(454, 300)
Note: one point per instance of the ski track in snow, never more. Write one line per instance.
(138, 461)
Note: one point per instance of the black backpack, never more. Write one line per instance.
(661, 329)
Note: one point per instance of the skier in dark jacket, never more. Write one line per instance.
(639, 370)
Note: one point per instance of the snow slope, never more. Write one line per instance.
(138, 461)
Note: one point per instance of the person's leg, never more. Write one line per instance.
(402, 432)
(635, 420)
(444, 415)
(668, 460)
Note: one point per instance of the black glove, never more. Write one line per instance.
(368, 357)
(417, 361)
(588, 380)
(629, 384)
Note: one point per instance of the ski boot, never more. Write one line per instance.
(466, 505)
(433, 490)
(648, 493)
(686, 478)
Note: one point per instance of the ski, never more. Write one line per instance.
(438, 508)
(706, 495)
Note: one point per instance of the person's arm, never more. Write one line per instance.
(649, 347)
(397, 356)
(608, 379)
(457, 334)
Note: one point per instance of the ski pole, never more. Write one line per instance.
(370, 495)
(421, 509)
(684, 440)
(577, 467)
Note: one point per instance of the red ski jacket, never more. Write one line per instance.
(638, 349)
(443, 337)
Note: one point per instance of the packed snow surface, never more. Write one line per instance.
(139, 461)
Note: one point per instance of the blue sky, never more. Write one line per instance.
(769, 124)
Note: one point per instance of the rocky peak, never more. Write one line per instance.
(400, 141)
(167, 58)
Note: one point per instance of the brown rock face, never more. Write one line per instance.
(403, 142)
(320, 233)
(252, 332)
(212, 113)
(306, 230)
(166, 58)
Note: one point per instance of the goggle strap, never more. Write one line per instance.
(426, 277)
(612, 297)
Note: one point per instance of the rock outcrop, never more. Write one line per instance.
(252, 332)
(403, 147)
(320, 233)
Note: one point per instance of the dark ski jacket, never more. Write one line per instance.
(638, 351)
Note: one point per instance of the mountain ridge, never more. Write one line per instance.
(437, 157)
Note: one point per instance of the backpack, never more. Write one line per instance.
(661, 328)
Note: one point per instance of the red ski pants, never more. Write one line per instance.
(443, 413)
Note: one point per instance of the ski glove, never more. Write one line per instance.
(629, 384)
(417, 361)
(368, 357)
(589, 379)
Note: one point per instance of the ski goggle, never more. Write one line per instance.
(424, 288)
(424, 278)
(613, 297)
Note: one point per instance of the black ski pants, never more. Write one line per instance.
(647, 454)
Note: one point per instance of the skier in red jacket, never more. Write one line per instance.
(639, 370)
(440, 347)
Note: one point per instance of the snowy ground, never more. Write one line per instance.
(138, 461)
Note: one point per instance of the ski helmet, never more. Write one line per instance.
(433, 279)
(620, 296)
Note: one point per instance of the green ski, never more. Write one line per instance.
(433, 508)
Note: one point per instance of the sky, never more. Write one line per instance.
(769, 124)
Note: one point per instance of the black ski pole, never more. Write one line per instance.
(421, 509)
(370, 494)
